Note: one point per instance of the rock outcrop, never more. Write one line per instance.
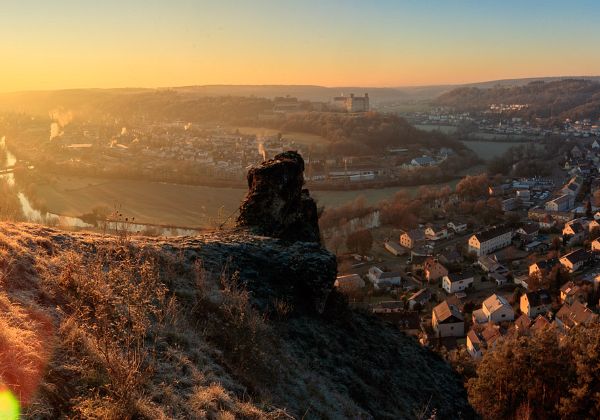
(277, 205)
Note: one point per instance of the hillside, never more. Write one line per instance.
(569, 98)
(228, 324)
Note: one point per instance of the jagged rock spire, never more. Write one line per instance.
(276, 204)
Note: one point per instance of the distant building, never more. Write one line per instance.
(352, 103)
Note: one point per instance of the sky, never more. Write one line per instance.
(54, 44)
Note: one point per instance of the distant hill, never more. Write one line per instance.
(564, 98)
(41, 102)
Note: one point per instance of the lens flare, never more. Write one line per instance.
(9, 405)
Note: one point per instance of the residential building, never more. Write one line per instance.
(419, 298)
(543, 266)
(570, 292)
(481, 339)
(394, 248)
(433, 269)
(575, 232)
(488, 241)
(573, 261)
(381, 278)
(451, 256)
(569, 316)
(423, 161)
(528, 231)
(457, 227)
(436, 233)
(535, 303)
(447, 321)
(457, 282)
(494, 309)
(412, 238)
(349, 283)
(561, 203)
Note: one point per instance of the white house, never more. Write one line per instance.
(494, 309)
(381, 278)
(457, 227)
(457, 282)
(435, 233)
(573, 261)
(447, 321)
(483, 243)
(535, 303)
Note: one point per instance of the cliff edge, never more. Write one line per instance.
(229, 324)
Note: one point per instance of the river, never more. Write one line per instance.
(156, 205)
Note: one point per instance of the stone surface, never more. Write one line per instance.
(276, 204)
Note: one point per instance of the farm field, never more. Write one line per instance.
(172, 204)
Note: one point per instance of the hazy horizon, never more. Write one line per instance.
(79, 44)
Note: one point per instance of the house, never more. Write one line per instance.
(573, 261)
(423, 161)
(543, 266)
(500, 279)
(394, 248)
(419, 298)
(450, 257)
(561, 203)
(522, 324)
(509, 204)
(535, 303)
(457, 227)
(436, 233)
(569, 316)
(349, 283)
(547, 222)
(575, 232)
(570, 292)
(528, 232)
(485, 242)
(412, 238)
(381, 278)
(522, 280)
(490, 264)
(494, 309)
(433, 269)
(540, 323)
(482, 339)
(447, 321)
(457, 282)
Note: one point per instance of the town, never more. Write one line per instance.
(455, 281)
